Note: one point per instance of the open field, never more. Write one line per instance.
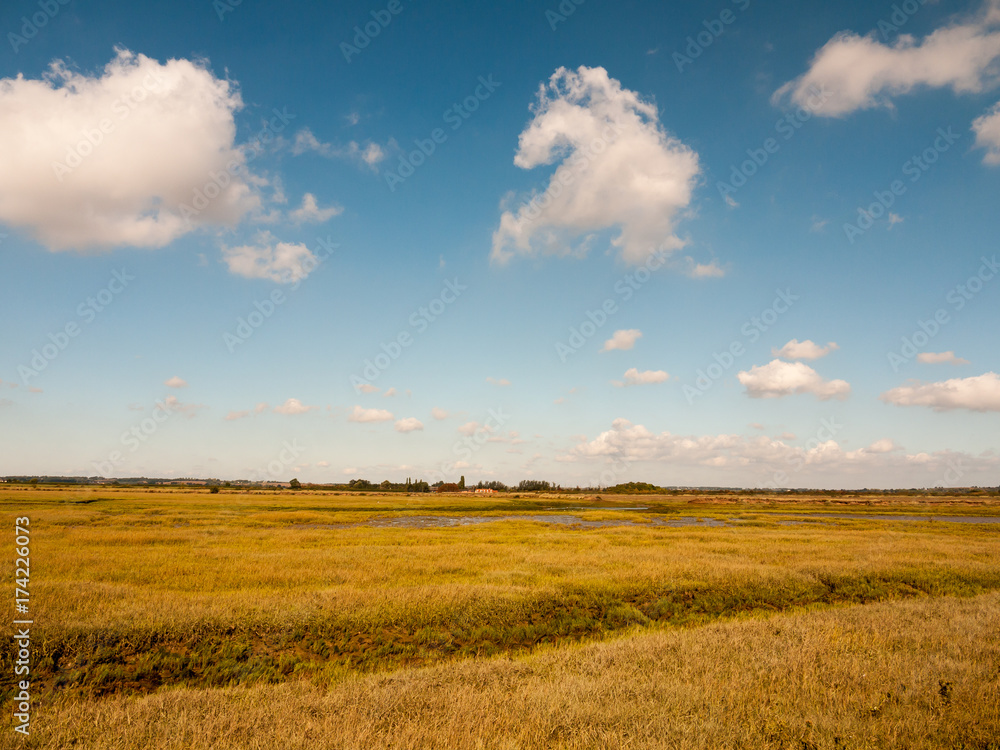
(171, 618)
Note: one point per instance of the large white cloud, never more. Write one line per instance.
(856, 72)
(618, 169)
(979, 393)
(99, 161)
(777, 378)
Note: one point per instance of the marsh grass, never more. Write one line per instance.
(137, 593)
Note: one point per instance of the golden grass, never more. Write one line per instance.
(157, 592)
(915, 674)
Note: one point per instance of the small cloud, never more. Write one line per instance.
(261, 408)
(941, 358)
(710, 270)
(234, 415)
(894, 219)
(293, 406)
(323, 464)
(439, 413)
(283, 262)
(885, 445)
(502, 382)
(136, 407)
(175, 382)
(622, 340)
(188, 410)
(368, 388)
(796, 349)
(788, 436)
(648, 377)
(389, 393)
(756, 426)
(409, 424)
(32, 389)
(359, 414)
(731, 202)
(818, 224)
(310, 213)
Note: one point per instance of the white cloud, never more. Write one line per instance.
(618, 170)
(134, 142)
(987, 130)
(856, 72)
(796, 349)
(310, 212)
(741, 458)
(370, 153)
(647, 377)
(778, 378)
(502, 382)
(294, 406)
(234, 415)
(409, 424)
(389, 393)
(282, 262)
(622, 340)
(188, 410)
(359, 414)
(175, 382)
(367, 388)
(261, 407)
(323, 464)
(711, 270)
(938, 358)
(894, 219)
(979, 393)
(439, 413)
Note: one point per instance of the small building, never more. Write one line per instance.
(485, 491)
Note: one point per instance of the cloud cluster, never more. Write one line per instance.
(778, 378)
(979, 393)
(987, 130)
(310, 213)
(618, 169)
(862, 73)
(369, 154)
(108, 160)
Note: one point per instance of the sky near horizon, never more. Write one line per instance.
(721, 243)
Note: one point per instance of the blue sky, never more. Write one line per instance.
(726, 243)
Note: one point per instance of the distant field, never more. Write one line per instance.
(179, 618)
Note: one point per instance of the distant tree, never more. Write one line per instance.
(34, 482)
(213, 490)
(386, 485)
(450, 487)
(420, 486)
(533, 485)
(295, 484)
(461, 483)
(437, 483)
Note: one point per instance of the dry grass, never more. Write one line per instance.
(915, 674)
(162, 593)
